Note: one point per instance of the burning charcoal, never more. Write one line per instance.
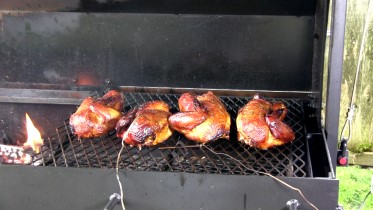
(14, 155)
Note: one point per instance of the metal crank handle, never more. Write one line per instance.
(114, 200)
(293, 204)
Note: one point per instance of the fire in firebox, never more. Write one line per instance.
(34, 139)
(12, 154)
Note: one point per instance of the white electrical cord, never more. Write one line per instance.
(263, 173)
(117, 165)
(118, 179)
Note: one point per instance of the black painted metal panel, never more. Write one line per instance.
(262, 7)
(335, 77)
(74, 188)
(159, 50)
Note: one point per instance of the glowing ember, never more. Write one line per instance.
(14, 155)
(34, 139)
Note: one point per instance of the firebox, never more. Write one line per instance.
(53, 55)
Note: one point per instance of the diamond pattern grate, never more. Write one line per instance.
(178, 154)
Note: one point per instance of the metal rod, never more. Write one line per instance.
(220, 92)
(113, 201)
(335, 76)
(39, 96)
(182, 147)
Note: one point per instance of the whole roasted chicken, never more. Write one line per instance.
(202, 118)
(97, 117)
(145, 125)
(260, 124)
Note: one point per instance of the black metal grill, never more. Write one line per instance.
(178, 154)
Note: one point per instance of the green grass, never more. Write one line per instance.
(354, 184)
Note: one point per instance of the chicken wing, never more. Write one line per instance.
(146, 125)
(97, 117)
(202, 118)
(259, 124)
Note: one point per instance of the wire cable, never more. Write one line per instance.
(352, 107)
(361, 51)
(263, 173)
(363, 203)
(118, 179)
(117, 165)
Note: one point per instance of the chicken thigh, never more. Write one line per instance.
(260, 124)
(97, 117)
(202, 118)
(146, 125)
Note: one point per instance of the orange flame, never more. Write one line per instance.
(34, 139)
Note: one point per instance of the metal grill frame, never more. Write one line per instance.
(98, 184)
(66, 150)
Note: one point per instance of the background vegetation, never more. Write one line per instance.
(362, 126)
(355, 181)
(354, 186)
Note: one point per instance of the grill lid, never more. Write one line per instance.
(214, 44)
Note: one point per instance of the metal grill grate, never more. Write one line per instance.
(65, 149)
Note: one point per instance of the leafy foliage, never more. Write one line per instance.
(354, 184)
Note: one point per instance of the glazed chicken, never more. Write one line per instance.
(145, 125)
(97, 117)
(260, 124)
(202, 118)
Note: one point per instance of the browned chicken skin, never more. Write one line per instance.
(146, 125)
(95, 118)
(259, 124)
(201, 118)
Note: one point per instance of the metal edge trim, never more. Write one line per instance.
(220, 92)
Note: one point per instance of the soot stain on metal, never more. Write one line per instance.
(244, 201)
(182, 180)
(10, 13)
(200, 181)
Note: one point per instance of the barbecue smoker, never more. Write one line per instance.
(55, 54)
